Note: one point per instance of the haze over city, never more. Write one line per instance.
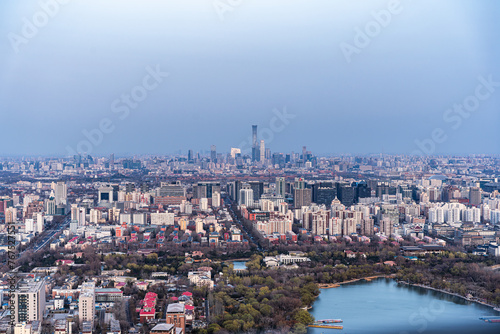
(230, 66)
(249, 167)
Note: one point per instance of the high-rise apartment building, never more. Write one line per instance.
(216, 202)
(386, 226)
(299, 183)
(348, 226)
(367, 226)
(280, 186)
(86, 302)
(10, 215)
(28, 300)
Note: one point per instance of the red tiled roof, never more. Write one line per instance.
(150, 312)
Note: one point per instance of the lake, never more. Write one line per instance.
(383, 306)
(239, 265)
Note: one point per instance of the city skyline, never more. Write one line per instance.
(350, 91)
(256, 167)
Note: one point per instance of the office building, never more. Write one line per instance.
(61, 193)
(205, 189)
(258, 189)
(302, 197)
(234, 152)
(475, 196)
(262, 151)
(255, 149)
(213, 154)
(50, 204)
(112, 161)
(323, 192)
(171, 189)
(106, 194)
(246, 196)
(346, 195)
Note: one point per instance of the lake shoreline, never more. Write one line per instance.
(367, 279)
(450, 293)
(393, 276)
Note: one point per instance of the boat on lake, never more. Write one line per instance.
(490, 319)
(329, 321)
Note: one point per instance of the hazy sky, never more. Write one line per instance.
(354, 76)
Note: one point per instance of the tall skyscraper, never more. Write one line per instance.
(255, 149)
(262, 151)
(61, 193)
(268, 153)
(213, 153)
(112, 161)
(190, 156)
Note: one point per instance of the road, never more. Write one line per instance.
(235, 218)
(102, 317)
(127, 311)
(46, 237)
